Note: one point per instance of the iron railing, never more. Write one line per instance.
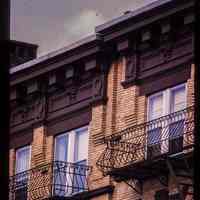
(56, 179)
(166, 135)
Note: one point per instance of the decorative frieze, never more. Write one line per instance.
(131, 67)
(91, 64)
(57, 79)
(52, 79)
(61, 99)
(165, 28)
(123, 45)
(145, 36)
(33, 111)
(65, 91)
(147, 57)
(69, 73)
(32, 87)
(167, 52)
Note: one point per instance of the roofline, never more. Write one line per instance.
(99, 34)
(41, 59)
(131, 15)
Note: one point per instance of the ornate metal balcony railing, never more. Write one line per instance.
(56, 179)
(166, 135)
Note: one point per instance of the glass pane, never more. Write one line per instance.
(79, 179)
(22, 167)
(81, 149)
(60, 178)
(176, 129)
(153, 143)
(22, 159)
(155, 106)
(60, 166)
(154, 136)
(178, 99)
(61, 148)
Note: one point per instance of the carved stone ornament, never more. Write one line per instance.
(130, 67)
(167, 52)
(98, 87)
(73, 94)
(40, 109)
(33, 111)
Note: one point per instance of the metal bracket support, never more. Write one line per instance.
(136, 185)
(173, 174)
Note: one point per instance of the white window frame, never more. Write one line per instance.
(17, 157)
(148, 103)
(71, 148)
(55, 147)
(167, 108)
(75, 143)
(164, 106)
(166, 99)
(176, 88)
(71, 151)
(21, 178)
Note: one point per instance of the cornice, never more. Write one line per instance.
(135, 20)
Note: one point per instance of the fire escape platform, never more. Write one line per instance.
(151, 149)
(147, 169)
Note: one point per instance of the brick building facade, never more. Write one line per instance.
(111, 116)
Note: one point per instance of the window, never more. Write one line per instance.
(166, 135)
(21, 167)
(22, 159)
(70, 147)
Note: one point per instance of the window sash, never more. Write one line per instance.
(178, 93)
(22, 159)
(76, 142)
(61, 148)
(168, 104)
(81, 145)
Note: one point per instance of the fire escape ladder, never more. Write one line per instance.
(182, 187)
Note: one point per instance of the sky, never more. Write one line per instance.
(53, 24)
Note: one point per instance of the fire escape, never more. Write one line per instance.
(53, 181)
(155, 149)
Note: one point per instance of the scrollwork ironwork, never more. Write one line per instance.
(49, 180)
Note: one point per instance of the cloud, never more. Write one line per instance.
(83, 24)
(54, 24)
